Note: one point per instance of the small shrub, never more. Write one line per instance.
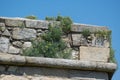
(65, 22)
(86, 33)
(106, 34)
(50, 18)
(31, 17)
(112, 52)
(53, 35)
(52, 46)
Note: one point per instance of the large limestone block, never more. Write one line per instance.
(13, 50)
(4, 44)
(14, 22)
(76, 38)
(91, 28)
(17, 44)
(27, 45)
(94, 54)
(6, 33)
(24, 34)
(37, 24)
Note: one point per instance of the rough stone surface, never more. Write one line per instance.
(17, 44)
(14, 22)
(106, 44)
(2, 24)
(56, 63)
(2, 68)
(12, 77)
(94, 53)
(12, 69)
(87, 75)
(27, 45)
(55, 74)
(13, 50)
(12, 59)
(91, 28)
(6, 33)
(76, 38)
(37, 24)
(27, 77)
(75, 54)
(2, 29)
(24, 34)
(4, 44)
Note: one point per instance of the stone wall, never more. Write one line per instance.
(16, 34)
(91, 54)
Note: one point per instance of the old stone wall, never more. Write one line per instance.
(16, 34)
(90, 52)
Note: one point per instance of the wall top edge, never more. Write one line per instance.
(74, 24)
(17, 60)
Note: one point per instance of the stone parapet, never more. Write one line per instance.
(56, 63)
(22, 67)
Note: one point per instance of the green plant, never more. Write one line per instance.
(112, 52)
(50, 18)
(65, 22)
(53, 35)
(51, 46)
(31, 17)
(103, 33)
(86, 33)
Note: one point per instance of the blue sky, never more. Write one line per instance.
(96, 12)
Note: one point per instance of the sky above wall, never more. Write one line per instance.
(95, 12)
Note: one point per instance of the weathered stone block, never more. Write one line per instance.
(94, 54)
(12, 59)
(17, 44)
(27, 45)
(12, 69)
(13, 77)
(2, 24)
(87, 75)
(106, 43)
(75, 54)
(14, 22)
(6, 33)
(91, 28)
(13, 50)
(37, 24)
(76, 39)
(4, 44)
(24, 34)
